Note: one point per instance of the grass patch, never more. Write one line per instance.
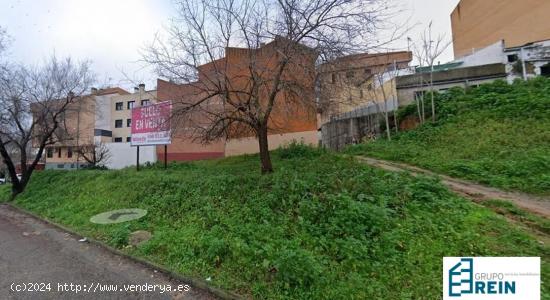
(5, 192)
(496, 134)
(321, 227)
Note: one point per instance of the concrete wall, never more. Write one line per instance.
(492, 54)
(479, 23)
(406, 95)
(103, 112)
(123, 155)
(408, 85)
(65, 166)
(249, 145)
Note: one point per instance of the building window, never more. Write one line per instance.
(49, 152)
(118, 140)
(131, 104)
(128, 122)
(361, 94)
(333, 77)
(119, 105)
(118, 123)
(368, 72)
(69, 152)
(350, 74)
(512, 58)
(128, 139)
(545, 70)
(61, 166)
(145, 102)
(369, 87)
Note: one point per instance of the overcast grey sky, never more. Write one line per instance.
(111, 32)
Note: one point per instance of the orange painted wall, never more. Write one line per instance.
(479, 23)
(294, 116)
(183, 147)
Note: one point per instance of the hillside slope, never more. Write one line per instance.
(496, 134)
(321, 227)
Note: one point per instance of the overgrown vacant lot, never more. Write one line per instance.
(321, 227)
(496, 134)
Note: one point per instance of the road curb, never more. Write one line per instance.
(195, 282)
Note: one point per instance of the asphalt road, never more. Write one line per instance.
(34, 254)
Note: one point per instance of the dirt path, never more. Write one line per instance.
(471, 190)
(34, 254)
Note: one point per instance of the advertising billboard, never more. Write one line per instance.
(151, 124)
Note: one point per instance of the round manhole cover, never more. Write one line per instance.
(118, 216)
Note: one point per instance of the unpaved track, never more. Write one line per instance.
(471, 190)
(32, 251)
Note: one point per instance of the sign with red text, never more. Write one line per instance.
(151, 124)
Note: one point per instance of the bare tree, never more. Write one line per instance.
(33, 102)
(427, 51)
(274, 82)
(97, 154)
(381, 80)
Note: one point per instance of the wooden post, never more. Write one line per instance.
(165, 156)
(137, 159)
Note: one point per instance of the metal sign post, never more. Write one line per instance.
(165, 156)
(137, 158)
(151, 127)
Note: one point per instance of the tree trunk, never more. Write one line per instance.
(433, 107)
(387, 120)
(432, 91)
(418, 108)
(16, 189)
(265, 158)
(423, 109)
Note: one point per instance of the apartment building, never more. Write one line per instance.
(354, 92)
(353, 81)
(293, 123)
(477, 24)
(121, 111)
(84, 123)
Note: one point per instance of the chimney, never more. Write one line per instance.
(93, 91)
(142, 87)
(136, 89)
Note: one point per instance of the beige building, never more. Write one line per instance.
(477, 24)
(121, 111)
(354, 92)
(84, 123)
(354, 81)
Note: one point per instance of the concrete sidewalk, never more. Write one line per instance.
(32, 251)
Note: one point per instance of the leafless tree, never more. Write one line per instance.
(33, 102)
(258, 94)
(428, 49)
(97, 154)
(382, 79)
